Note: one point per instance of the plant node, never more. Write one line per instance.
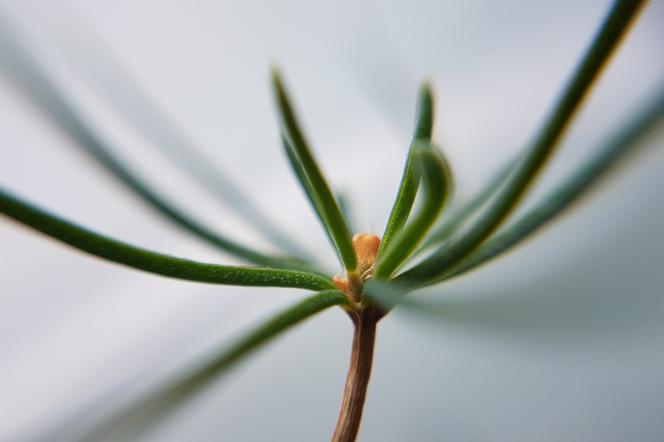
(352, 283)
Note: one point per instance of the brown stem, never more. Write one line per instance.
(358, 375)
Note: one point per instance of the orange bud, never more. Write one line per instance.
(366, 248)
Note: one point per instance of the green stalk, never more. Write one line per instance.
(160, 404)
(610, 34)
(459, 216)
(436, 179)
(152, 262)
(312, 179)
(403, 203)
(346, 208)
(44, 91)
(310, 193)
(565, 194)
(139, 109)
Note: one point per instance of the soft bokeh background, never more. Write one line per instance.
(560, 340)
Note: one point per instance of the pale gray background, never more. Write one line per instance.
(560, 340)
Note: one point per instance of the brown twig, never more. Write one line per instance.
(357, 380)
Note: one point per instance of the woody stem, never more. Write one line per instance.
(359, 372)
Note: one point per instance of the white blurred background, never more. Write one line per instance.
(560, 340)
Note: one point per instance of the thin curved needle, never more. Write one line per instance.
(564, 195)
(122, 91)
(165, 400)
(459, 216)
(312, 179)
(609, 36)
(39, 86)
(152, 262)
(437, 183)
(405, 198)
